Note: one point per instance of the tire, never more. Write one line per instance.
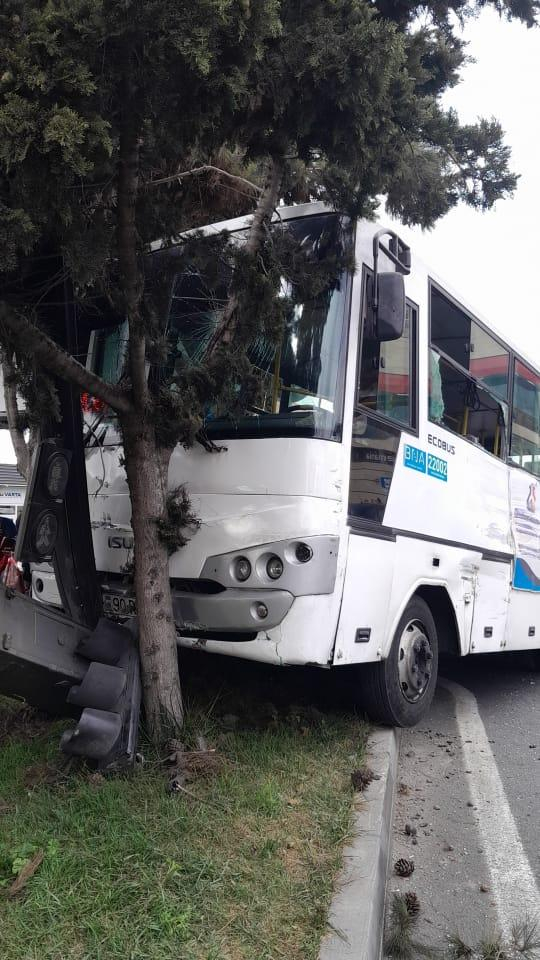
(398, 691)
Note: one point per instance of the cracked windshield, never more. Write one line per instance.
(299, 378)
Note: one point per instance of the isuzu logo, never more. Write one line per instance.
(120, 543)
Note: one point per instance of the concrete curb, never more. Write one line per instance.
(357, 910)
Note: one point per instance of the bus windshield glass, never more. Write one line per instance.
(299, 378)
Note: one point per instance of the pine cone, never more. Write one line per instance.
(412, 903)
(404, 867)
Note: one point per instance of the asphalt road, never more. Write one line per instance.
(468, 808)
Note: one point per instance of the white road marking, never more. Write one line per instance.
(513, 885)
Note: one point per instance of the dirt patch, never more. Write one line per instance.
(20, 721)
(45, 775)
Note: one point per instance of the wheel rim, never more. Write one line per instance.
(415, 661)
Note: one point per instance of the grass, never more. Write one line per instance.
(130, 872)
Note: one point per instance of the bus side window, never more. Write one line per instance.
(459, 403)
(385, 403)
(468, 376)
(386, 381)
(461, 339)
(525, 441)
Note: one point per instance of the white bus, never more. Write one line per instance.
(378, 506)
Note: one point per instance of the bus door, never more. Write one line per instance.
(491, 605)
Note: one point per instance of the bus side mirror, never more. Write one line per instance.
(390, 308)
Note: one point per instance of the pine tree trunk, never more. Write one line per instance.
(22, 452)
(146, 462)
(146, 467)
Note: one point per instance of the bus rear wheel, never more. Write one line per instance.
(398, 691)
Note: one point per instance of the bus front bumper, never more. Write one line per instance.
(237, 611)
(231, 611)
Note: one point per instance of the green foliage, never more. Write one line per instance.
(14, 859)
(35, 387)
(178, 519)
(358, 105)
(72, 69)
(349, 87)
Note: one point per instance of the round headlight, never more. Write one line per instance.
(242, 569)
(45, 533)
(57, 476)
(274, 568)
(303, 552)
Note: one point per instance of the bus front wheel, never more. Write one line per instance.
(398, 691)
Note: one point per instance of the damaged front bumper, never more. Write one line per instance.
(218, 605)
(229, 611)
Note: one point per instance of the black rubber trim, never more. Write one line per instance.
(495, 557)
(199, 585)
(226, 636)
(380, 532)
(367, 528)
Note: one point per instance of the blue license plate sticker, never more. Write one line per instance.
(437, 467)
(414, 458)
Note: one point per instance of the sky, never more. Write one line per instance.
(488, 259)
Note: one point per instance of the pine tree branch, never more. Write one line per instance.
(36, 344)
(206, 168)
(224, 332)
(22, 451)
(265, 206)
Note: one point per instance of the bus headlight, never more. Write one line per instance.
(274, 568)
(302, 565)
(241, 569)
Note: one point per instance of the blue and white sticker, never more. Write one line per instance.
(417, 459)
(437, 467)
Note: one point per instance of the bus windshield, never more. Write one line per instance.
(299, 379)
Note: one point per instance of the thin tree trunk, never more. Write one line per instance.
(130, 273)
(266, 205)
(225, 331)
(146, 468)
(33, 441)
(20, 446)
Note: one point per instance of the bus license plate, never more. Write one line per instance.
(118, 606)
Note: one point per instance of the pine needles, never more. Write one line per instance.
(400, 942)
(523, 943)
